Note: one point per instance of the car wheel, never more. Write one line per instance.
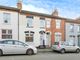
(1, 53)
(52, 50)
(29, 51)
(77, 51)
(62, 51)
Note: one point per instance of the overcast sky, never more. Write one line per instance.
(66, 8)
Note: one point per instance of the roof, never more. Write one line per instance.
(77, 20)
(36, 13)
(74, 21)
(8, 8)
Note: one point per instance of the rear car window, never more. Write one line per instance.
(56, 43)
(1, 42)
(6, 42)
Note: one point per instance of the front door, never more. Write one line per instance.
(42, 40)
(79, 40)
(48, 39)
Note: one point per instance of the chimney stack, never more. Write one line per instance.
(55, 12)
(19, 5)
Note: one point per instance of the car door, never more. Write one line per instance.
(20, 47)
(73, 48)
(69, 47)
(7, 47)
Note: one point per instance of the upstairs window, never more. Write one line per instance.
(48, 23)
(42, 23)
(58, 24)
(71, 27)
(79, 28)
(29, 21)
(6, 18)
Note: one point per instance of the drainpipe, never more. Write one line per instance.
(19, 6)
(18, 24)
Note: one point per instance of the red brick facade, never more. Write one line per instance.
(61, 30)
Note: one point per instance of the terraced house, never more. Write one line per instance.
(72, 29)
(38, 29)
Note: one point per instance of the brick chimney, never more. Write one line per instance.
(55, 12)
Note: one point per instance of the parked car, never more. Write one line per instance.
(65, 47)
(16, 47)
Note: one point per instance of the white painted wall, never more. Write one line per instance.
(12, 25)
(36, 29)
(68, 33)
(22, 27)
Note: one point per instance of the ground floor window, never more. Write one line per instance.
(71, 40)
(57, 37)
(6, 34)
(79, 40)
(29, 36)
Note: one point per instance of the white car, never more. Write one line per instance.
(65, 47)
(16, 47)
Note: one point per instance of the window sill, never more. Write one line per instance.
(42, 27)
(30, 27)
(29, 41)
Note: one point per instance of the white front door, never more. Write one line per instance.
(42, 39)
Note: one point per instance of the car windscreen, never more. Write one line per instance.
(56, 43)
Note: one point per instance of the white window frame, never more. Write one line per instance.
(30, 21)
(7, 34)
(6, 18)
(58, 36)
(71, 27)
(29, 35)
(42, 23)
(72, 40)
(79, 28)
(58, 23)
(48, 23)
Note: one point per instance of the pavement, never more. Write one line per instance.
(45, 50)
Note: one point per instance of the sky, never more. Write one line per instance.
(66, 8)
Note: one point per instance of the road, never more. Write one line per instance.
(43, 56)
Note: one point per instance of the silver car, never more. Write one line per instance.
(65, 47)
(16, 47)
